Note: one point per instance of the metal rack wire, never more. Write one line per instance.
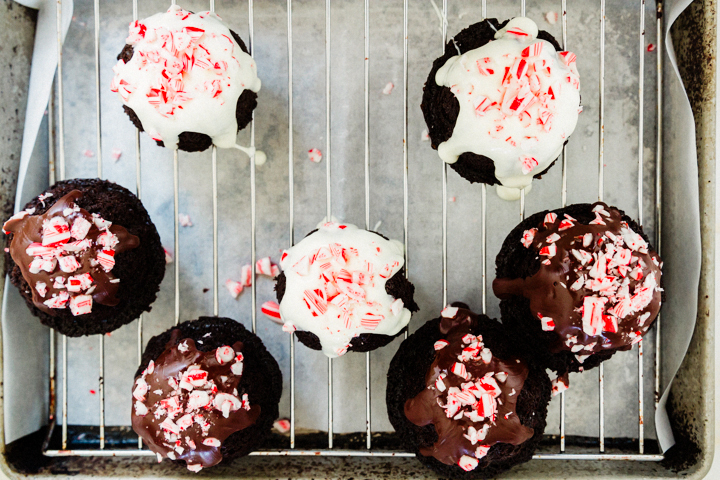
(368, 451)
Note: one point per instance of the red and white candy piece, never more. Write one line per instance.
(282, 425)
(68, 263)
(79, 283)
(533, 50)
(481, 451)
(41, 288)
(548, 324)
(235, 288)
(106, 259)
(81, 305)
(80, 228)
(55, 231)
(314, 155)
(467, 463)
(212, 442)
(58, 301)
(558, 386)
(440, 344)
(224, 354)
(528, 164)
(449, 312)
(246, 276)
(226, 403)
(528, 237)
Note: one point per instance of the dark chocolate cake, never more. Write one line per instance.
(578, 284)
(206, 391)
(85, 256)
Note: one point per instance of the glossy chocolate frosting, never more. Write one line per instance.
(178, 402)
(27, 229)
(467, 426)
(598, 285)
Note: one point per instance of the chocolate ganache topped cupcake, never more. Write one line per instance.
(501, 103)
(578, 284)
(207, 391)
(187, 80)
(463, 399)
(343, 289)
(85, 256)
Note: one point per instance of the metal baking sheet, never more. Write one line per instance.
(348, 201)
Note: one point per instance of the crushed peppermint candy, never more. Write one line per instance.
(476, 395)
(67, 255)
(188, 415)
(314, 155)
(602, 277)
(388, 88)
(186, 73)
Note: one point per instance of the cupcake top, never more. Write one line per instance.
(67, 255)
(598, 285)
(186, 403)
(185, 75)
(335, 286)
(519, 102)
(471, 395)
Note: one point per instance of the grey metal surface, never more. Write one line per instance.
(464, 265)
(422, 238)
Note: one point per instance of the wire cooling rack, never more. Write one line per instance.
(57, 172)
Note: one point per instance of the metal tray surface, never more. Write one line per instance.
(425, 211)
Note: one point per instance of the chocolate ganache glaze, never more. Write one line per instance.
(67, 254)
(471, 395)
(598, 285)
(187, 402)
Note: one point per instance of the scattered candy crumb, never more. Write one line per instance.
(272, 311)
(116, 154)
(452, 199)
(92, 392)
(88, 153)
(168, 256)
(388, 88)
(425, 136)
(282, 425)
(651, 47)
(314, 155)
(184, 220)
(235, 288)
(551, 17)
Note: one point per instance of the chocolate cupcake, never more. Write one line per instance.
(578, 284)
(85, 256)
(344, 289)
(463, 399)
(206, 391)
(501, 103)
(187, 80)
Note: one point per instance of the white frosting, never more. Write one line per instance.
(495, 118)
(362, 257)
(186, 74)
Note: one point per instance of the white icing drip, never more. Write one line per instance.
(518, 143)
(203, 94)
(330, 326)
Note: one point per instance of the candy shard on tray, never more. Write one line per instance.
(342, 289)
(462, 376)
(85, 272)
